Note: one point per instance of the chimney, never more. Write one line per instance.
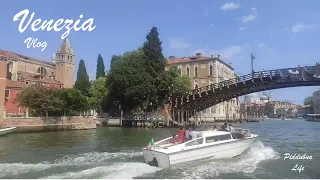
(171, 57)
(198, 54)
(230, 64)
(218, 56)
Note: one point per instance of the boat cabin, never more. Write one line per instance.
(204, 138)
(313, 117)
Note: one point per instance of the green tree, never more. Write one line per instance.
(155, 66)
(152, 49)
(114, 59)
(100, 67)
(129, 82)
(98, 91)
(40, 99)
(178, 85)
(308, 100)
(73, 101)
(82, 83)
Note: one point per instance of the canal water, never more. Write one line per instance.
(116, 153)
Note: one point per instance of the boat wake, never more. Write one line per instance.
(127, 165)
(88, 165)
(245, 163)
(113, 171)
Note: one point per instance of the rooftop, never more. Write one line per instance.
(26, 76)
(172, 60)
(66, 47)
(19, 57)
(14, 84)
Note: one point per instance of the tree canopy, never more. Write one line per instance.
(128, 80)
(82, 83)
(308, 100)
(98, 91)
(48, 101)
(114, 58)
(138, 79)
(100, 67)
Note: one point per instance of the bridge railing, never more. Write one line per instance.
(242, 79)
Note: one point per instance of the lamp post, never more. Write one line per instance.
(252, 58)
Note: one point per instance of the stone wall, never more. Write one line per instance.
(33, 124)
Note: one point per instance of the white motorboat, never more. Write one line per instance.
(209, 144)
(313, 117)
(7, 130)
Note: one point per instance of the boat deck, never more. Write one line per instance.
(168, 146)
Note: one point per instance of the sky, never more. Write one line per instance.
(280, 34)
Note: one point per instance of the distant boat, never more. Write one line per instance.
(283, 118)
(5, 131)
(313, 117)
(252, 120)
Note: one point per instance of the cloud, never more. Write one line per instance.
(250, 17)
(206, 12)
(225, 53)
(261, 45)
(229, 6)
(242, 28)
(178, 43)
(211, 25)
(297, 28)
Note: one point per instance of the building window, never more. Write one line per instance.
(42, 70)
(19, 76)
(41, 78)
(7, 93)
(196, 71)
(9, 70)
(188, 71)
(27, 82)
(211, 70)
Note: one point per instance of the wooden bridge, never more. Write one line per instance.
(190, 104)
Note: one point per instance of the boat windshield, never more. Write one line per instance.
(199, 135)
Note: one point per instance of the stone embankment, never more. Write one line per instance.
(38, 124)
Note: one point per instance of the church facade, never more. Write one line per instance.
(18, 71)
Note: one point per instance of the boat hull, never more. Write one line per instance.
(218, 151)
(6, 130)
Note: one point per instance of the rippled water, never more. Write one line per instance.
(116, 153)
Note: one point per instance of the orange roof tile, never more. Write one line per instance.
(16, 56)
(172, 61)
(26, 76)
(14, 84)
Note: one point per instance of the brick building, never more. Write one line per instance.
(18, 71)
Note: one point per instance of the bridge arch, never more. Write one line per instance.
(202, 98)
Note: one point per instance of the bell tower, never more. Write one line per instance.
(65, 61)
